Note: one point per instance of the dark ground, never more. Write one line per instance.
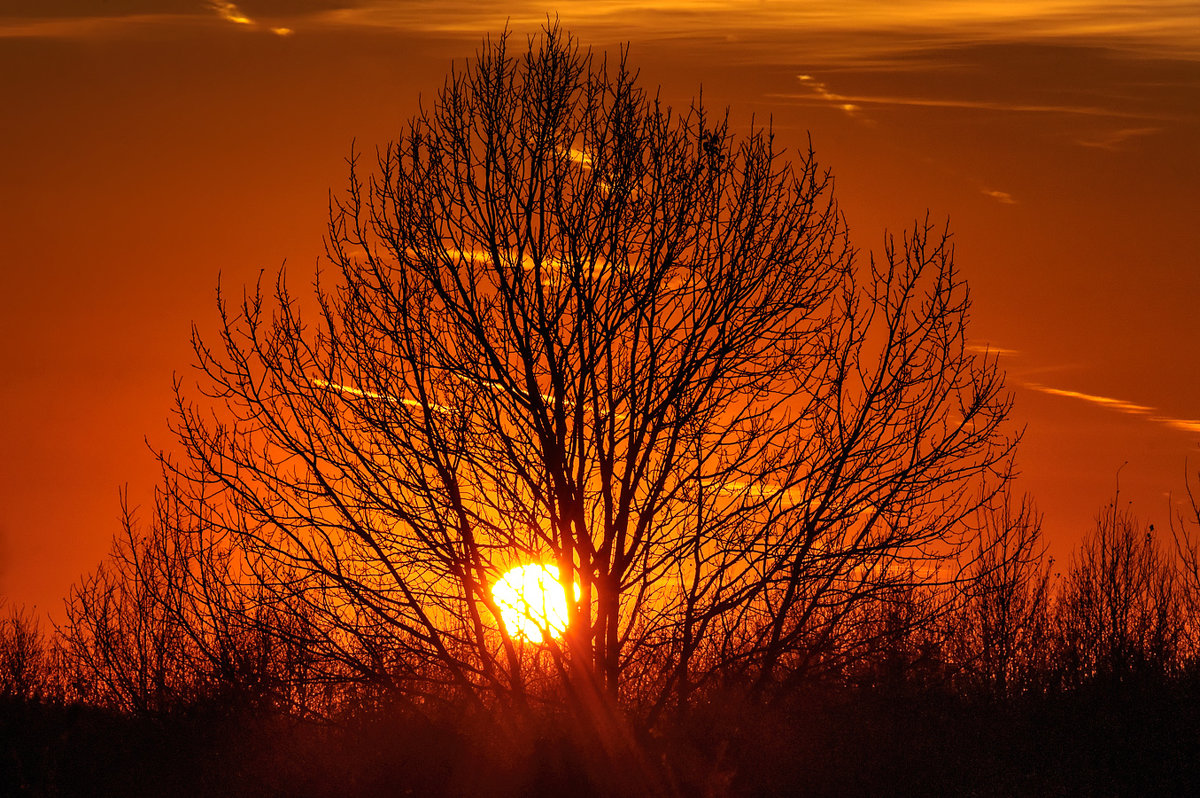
(1119, 741)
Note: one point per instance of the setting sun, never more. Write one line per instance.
(532, 602)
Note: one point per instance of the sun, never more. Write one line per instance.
(533, 602)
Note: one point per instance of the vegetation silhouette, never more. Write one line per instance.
(563, 323)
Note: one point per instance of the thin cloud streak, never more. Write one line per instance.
(1185, 424)
(1114, 140)
(349, 389)
(1003, 197)
(1122, 406)
(86, 27)
(1119, 405)
(976, 105)
(988, 349)
(821, 91)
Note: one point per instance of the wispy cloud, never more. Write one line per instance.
(1147, 26)
(831, 31)
(82, 27)
(229, 12)
(966, 104)
(352, 391)
(821, 91)
(75, 19)
(1116, 139)
(1003, 197)
(1123, 406)
(989, 349)
(1120, 406)
(1185, 424)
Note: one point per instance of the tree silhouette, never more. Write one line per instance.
(27, 665)
(570, 325)
(1001, 633)
(1185, 530)
(170, 621)
(1119, 610)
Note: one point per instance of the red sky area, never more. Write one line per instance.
(149, 147)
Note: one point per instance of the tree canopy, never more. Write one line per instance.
(564, 323)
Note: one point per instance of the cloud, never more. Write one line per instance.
(352, 391)
(1149, 27)
(1003, 197)
(976, 105)
(821, 91)
(76, 19)
(1114, 139)
(1185, 424)
(106, 9)
(989, 349)
(229, 12)
(827, 31)
(97, 9)
(1120, 406)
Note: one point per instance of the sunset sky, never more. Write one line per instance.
(149, 148)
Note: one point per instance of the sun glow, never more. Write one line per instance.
(532, 602)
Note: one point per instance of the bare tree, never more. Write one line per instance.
(26, 657)
(125, 646)
(168, 621)
(569, 325)
(1119, 613)
(1000, 634)
(1185, 530)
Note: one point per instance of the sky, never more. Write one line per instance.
(150, 149)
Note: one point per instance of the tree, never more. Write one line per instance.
(571, 326)
(26, 658)
(1119, 612)
(168, 623)
(1000, 633)
(1185, 530)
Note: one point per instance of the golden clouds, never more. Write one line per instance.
(229, 12)
(352, 391)
(821, 91)
(832, 29)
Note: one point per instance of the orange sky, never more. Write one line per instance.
(144, 151)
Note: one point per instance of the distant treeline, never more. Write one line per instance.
(1014, 677)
